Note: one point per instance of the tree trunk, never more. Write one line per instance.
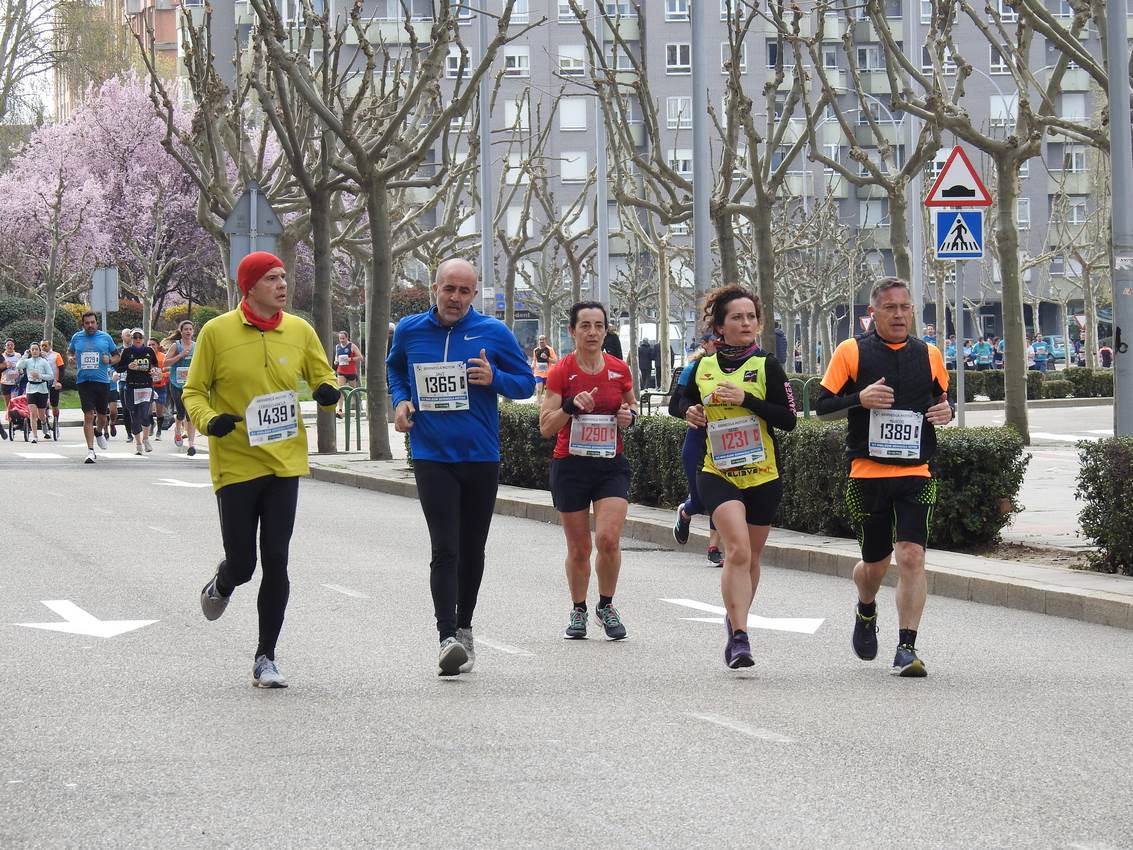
(726, 239)
(631, 355)
(321, 306)
(792, 341)
(827, 345)
(147, 307)
(575, 280)
(52, 299)
(377, 320)
(663, 366)
(1014, 334)
(509, 293)
(765, 274)
(288, 247)
(899, 238)
(1090, 309)
(941, 299)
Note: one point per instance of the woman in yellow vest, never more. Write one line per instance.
(739, 394)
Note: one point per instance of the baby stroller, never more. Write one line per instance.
(19, 419)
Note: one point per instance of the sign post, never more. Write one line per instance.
(104, 292)
(251, 226)
(958, 199)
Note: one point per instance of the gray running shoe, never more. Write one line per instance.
(266, 674)
(576, 629)
(611, 621)
(212, 603)
(465, 638)
(451, 658)
(147, 444)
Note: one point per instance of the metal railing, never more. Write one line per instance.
(349, 394)
(801, 390)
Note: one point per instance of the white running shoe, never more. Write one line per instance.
(90, 456)
(102, 442)
(266, 674)
(146, 443)
(34, 438)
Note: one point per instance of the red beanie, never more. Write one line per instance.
(255, 266)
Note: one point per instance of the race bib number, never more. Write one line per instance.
(344, 360)
(181, 374)
(895, 434)
(142, 395)
(442, 386)
(89, 360)
(34, 377)
(594, 435)
(736, 442)
(272, 418)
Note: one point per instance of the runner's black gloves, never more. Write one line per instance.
(326, 395)
(223, 423)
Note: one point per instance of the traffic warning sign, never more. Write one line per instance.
(959, 234)
(958, 185)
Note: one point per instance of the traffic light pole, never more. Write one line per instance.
(1121, 220)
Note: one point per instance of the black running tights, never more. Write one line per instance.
(269, 504)
(458, 500)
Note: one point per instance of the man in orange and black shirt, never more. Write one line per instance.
(893, 389)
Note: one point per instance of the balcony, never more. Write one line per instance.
(866, 33)
(800, 184)
(1070, 183)
(1076, 80)
(392, 32)
(627, 27)
(876, 82)
(637, 133)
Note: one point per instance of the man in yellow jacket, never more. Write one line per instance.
(241, 391)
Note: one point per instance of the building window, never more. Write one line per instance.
(727, 9)
(679, 228)
(1002, 109)
(574, 166)
(678, 113)
(1074, 159)
(572, 113)
(617, 59)
(678, 58)
(576, 223)
(517, 114)
(833, 153)
(997, 62)
(772, 53)
(726, 56)
(461, 10)
(926, 11)
(566, 14)
(520, 12)
(1006, 10)
(870, 58)
(1073, 106)
(514, 224)
(680, 160)
(514, 169)
(676, 10)
(619, 9)
(1076, 211)
(572, 60)
(873, 212)
(452, 68)
(894, 8)
(1023, 213)
(830, 56)
(947, 63)
(517, 61)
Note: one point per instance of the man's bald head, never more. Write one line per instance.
(454, 290)
(456, 268)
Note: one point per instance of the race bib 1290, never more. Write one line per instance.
(441, 386)
(895, 434)
(272, 418)
(594, 435)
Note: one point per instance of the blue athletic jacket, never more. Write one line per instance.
(464, 435)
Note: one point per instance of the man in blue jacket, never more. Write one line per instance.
(446, 367)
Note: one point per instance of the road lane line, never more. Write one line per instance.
(159, 529)
(40, 456)
(346, 591)
(744, 728)
(503, 647)
(176, 482)
(804, 625)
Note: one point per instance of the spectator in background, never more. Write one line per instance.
(645, 363)
(612, 344)
(997, 356)
(950, 353)
(1041, 348)
(929, 334)
(969, 360)
(780, 343)
(984, 354)
(1105, 356)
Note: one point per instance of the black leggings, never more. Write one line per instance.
(268, 503)
(458, 500)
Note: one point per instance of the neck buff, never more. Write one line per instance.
(269, 324)
(736, 352)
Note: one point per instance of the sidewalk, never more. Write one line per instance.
(1087, 596)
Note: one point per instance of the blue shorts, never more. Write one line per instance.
(540, 379)
(161, 394)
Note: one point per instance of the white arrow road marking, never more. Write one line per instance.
(346, 591)
(503, 647)
(79, 622)
(40, 456)
(804, 625)
(744, 728)
(173, 482)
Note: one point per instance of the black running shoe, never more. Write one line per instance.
(611, 621)
(737, 652)
(576, 628)
(715, 556)
(865, 635)
(907, 665)
(681, 526)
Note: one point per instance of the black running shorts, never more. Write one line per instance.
(886, 511)
(577, 482)
(37, 400)
(94, 397)
(761, 502)
(53, 396)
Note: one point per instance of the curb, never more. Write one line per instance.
(1084, 604)
(1038, 404)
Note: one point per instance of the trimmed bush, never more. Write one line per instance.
(1057, 389)
(14, 309)
(1105, 484)
(973, 385)
(1089, 383)
(205, 313)
(27, 331)
(980, 471)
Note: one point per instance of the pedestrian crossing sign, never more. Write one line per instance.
(959, 234)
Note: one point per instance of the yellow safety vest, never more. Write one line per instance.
(752, 378)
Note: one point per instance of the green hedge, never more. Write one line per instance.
(978, 468)
(14, 309)
(1089, 383)
(1105, 484)
(1057, 389)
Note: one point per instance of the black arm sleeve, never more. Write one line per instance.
(777, 410)
(690, 392)
(831, 406)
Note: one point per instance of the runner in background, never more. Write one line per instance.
(60, 365)
(692, 455)
(40, 374)
(138, 363)
(160, 389)
(119, 396)
(739, 394)
(347, 356)
(93, 352)
(447, 368)
(242, 390)
(178, 357)
(588, 403)
(9, 371)
(543, 357)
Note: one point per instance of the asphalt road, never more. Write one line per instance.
(1019, 737)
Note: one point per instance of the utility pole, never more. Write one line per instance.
(1121, 219)
(602, 284)
(916, 230)
(487, 201)
(701, 159)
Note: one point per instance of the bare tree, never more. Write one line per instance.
(26, 55)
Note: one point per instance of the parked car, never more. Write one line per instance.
(1057, 344)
